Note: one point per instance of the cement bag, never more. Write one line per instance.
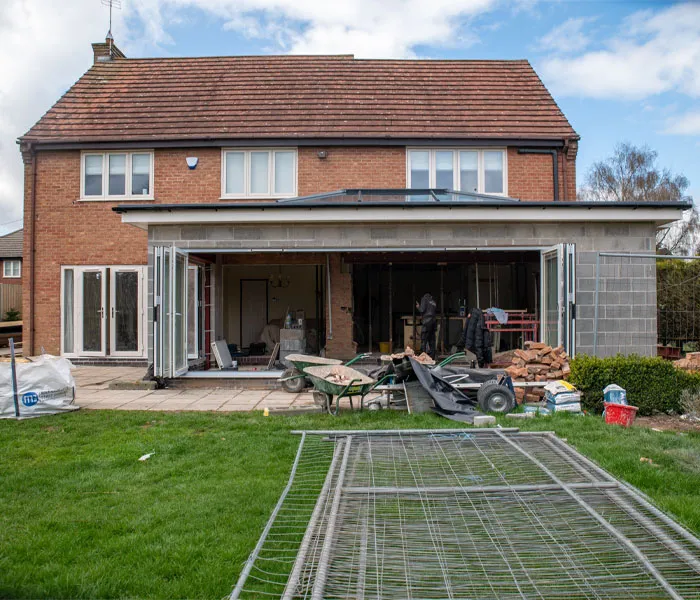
(45, 386)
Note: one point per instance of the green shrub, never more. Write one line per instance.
(652, 384)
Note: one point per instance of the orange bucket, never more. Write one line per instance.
(620, 414)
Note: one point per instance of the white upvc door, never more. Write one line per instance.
(558, 312)
(91, 307)
(126, 311)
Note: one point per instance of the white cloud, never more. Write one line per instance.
(45, 45)
(685, 124)
(654, 52)
(568, 37)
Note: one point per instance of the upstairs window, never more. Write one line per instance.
(117, 175)
(259, 173)
(463, 170)
(12, 268)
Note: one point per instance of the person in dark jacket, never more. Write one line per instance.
(428, 310)
(477, 338)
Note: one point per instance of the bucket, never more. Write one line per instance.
(619, 414)
(384, 347)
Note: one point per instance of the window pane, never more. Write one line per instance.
(68, 311)
(469, 171)
(235, 183)
(140, 174)
(420, 169)
(93, 175)
(493, 172)
(117, 174)
(126, 311)
(284, 172)
(444, 171)
(258, 173)
(92, 311)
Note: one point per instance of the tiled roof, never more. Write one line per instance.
(11, 244)
(249, 97)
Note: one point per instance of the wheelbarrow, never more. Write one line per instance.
(325, 390)
(293, 379)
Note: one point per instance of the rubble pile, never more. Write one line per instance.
(691, 362)
(537, 362)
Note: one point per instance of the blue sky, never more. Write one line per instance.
(620, 70)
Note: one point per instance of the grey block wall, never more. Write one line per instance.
(620, 329)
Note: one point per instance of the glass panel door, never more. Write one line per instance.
(193, 317)
(92, 312)
(125, 311)
(558, 296)
(179, 321)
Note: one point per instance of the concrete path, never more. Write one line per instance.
(93, 392)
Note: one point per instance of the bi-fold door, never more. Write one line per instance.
(558, 312)
(170, 312)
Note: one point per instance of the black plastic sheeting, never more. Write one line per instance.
(449, 401)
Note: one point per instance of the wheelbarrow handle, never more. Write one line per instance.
(382, 380)
(358, 357)
(451, 358)
(291, 377)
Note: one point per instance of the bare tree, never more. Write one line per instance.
(632, 175)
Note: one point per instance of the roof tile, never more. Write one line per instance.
(248, 97)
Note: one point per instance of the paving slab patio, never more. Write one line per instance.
(92, 392)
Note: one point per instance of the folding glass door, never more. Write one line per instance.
(170, 312)
(558, 314)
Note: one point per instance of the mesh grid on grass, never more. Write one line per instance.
(472, 514)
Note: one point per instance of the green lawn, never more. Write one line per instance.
(80, 517)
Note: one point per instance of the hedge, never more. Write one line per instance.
(652, 384)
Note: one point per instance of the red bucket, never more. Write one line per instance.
(620, 414)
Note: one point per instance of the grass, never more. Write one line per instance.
(81, 517)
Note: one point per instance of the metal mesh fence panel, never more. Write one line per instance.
(464, 514)
(646, 301)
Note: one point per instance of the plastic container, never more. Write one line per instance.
(384, 347)
(619, 414)
(614, 394)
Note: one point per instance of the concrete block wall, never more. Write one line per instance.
(635, 332)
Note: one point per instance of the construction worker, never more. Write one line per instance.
(428, 310)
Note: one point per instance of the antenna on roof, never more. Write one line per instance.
(111, 4)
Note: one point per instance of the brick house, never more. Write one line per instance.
(170, 203)
(11, 258)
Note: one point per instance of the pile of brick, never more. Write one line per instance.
(540, 363)
(691, 362)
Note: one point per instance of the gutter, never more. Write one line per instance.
(555, 165)
(263, 206)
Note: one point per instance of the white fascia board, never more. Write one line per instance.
(401, 214)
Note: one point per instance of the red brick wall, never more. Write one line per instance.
(340, 345)
(68, 232)
(372, 167)
(530, 176)
(71, 232)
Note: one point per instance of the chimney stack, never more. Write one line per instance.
(107, 51)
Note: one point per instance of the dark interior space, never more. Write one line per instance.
(386, 288)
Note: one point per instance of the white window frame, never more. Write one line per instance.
(7, 263)
(246, 173)
(128, 195)
(432, 166)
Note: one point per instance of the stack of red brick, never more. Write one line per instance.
(539, 363)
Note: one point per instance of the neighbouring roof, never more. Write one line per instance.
(11, 244)
(313, 97)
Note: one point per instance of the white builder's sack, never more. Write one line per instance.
(45, 386)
